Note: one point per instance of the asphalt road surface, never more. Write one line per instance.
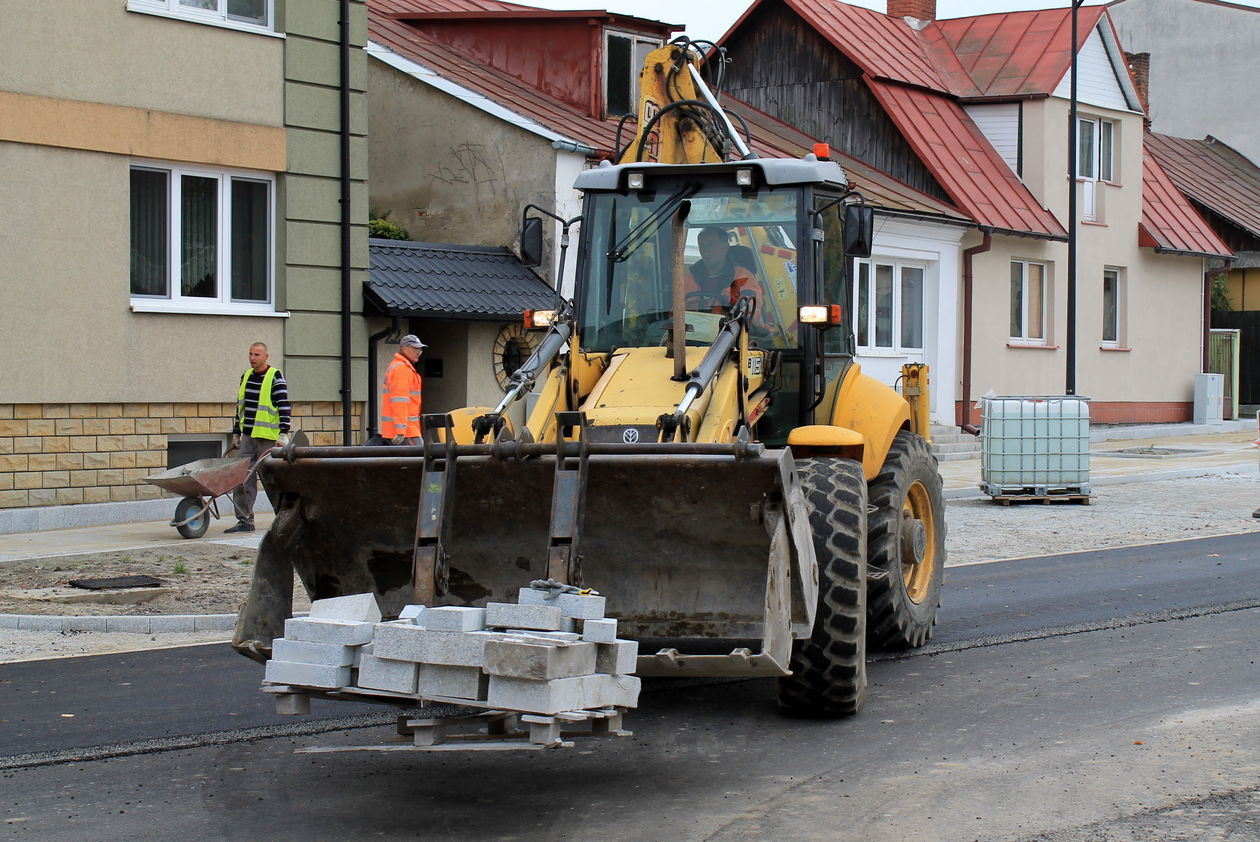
(1097, 696)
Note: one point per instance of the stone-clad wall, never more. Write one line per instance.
(57, 454)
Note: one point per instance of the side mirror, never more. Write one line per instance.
(859, 230)
(532, 241)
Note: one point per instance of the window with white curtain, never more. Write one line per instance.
(201, 239)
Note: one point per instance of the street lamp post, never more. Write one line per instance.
(1070, 342)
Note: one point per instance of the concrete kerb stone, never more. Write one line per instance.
(149, 624)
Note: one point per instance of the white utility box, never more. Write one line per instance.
(1209, 398)
(1034, 446)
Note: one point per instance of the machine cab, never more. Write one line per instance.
(765, 230)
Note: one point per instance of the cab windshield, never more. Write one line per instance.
(737, 243)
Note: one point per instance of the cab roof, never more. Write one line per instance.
(777, 172)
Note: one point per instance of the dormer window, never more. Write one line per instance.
(624, 53)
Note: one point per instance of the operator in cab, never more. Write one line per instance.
(723, 273)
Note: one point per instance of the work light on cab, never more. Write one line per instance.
(537, 319)
(821, 315)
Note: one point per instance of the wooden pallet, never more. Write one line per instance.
(1047, 499)
(493, 730)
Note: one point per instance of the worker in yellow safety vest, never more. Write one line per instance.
(262, 421)
(400, 398)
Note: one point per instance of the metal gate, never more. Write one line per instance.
(1223, 358)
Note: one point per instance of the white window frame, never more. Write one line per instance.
(174, 301)
(1023, 338)
(211, 17)
(1119, 339)
(898, 265)
(1098, 166)
(636, 64)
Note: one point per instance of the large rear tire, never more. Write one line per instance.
(829, 668)
(906, 547)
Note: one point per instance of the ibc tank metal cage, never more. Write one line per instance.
(1034, 446)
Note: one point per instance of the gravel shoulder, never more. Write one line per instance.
(206, 578)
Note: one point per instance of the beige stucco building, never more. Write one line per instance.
(170, 195)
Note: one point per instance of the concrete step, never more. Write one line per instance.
(956, 447)
(956, 457)
(953, 438)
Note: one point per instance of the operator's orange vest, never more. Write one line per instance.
(400, 399)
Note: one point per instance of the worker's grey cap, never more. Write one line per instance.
(411, 341)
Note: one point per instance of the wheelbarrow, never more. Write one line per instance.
(201, 483)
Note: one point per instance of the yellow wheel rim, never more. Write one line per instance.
(918, 542)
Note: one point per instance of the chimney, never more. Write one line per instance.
(923, 10)
(1140, 67)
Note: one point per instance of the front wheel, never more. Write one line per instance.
(829, 669)
(196, 527)
(907, 545)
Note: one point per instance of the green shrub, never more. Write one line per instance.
(379, 227)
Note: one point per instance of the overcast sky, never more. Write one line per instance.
(711, 18)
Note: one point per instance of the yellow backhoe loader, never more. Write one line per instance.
(701, 448)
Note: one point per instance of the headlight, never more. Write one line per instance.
(539, 318)
(821, 314)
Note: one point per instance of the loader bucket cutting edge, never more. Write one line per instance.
(682, 546)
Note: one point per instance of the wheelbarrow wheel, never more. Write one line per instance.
(196, 527)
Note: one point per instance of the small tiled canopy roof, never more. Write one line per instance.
(1170, 224)
(441, 279)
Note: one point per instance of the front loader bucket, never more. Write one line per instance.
(685, 541)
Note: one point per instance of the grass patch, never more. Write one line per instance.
(180, 568)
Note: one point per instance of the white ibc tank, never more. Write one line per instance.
(1034, 445)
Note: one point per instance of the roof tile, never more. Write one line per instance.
(1169, 222)
(770, 137)
(431, 279)
(964, 162)
(1212, 174)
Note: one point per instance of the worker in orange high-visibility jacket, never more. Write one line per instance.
(400, 398)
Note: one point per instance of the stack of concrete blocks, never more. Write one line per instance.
(429, 652)
(541, 664)
(323, 648)
(529, 656)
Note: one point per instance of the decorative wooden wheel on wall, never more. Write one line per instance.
(512, 348)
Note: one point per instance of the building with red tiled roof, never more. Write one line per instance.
(975, 111)
(1224, 186)
(479, 108)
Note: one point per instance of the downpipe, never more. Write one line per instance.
(963, 413)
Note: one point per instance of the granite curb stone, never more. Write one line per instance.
(147, 624)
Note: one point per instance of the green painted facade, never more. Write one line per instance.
(309, 235)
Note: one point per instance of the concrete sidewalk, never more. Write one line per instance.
(1198, 450)
(1188, 450)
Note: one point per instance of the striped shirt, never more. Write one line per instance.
(279, 398)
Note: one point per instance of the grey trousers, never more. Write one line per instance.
(244, 496)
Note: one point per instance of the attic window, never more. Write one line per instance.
(624, 53)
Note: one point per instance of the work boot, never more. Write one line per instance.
(241, 526)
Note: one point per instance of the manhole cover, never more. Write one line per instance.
(117, 582)
(1156, 452)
